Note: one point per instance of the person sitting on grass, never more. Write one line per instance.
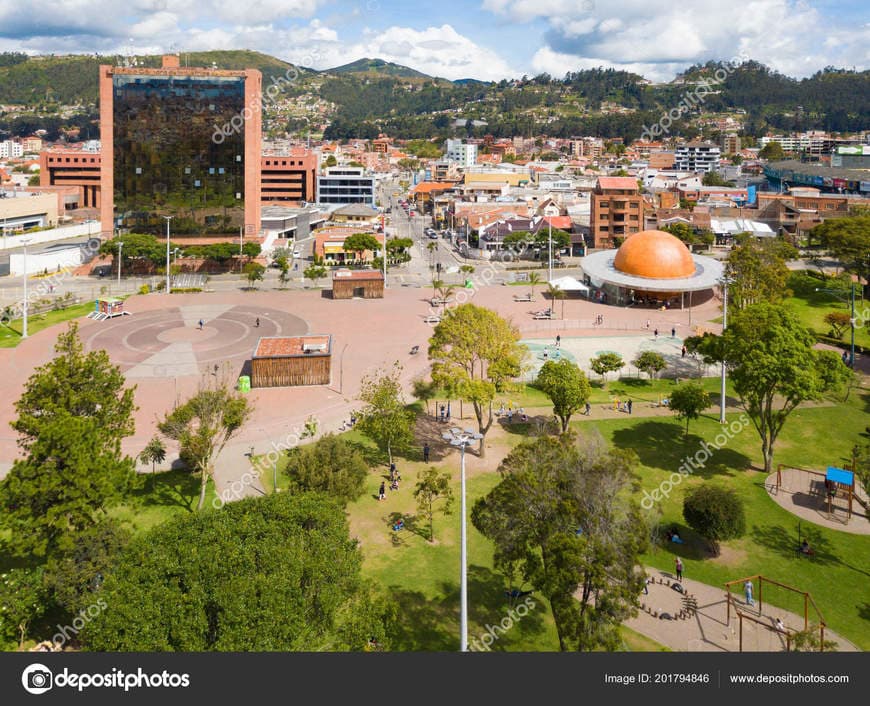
(805, 548)
(399, 525)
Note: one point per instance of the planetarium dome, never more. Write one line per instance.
(654, 254)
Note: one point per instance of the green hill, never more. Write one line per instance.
(377, 66)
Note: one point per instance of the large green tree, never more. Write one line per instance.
(475, 354)
(566, 386)
(773, 367)
(359, 243)
(757, 271)
(650, 362)
(431, 488)
(276, 573)
(847, 239)
(203, 425)
(688, 400)
(22, 600)
(561, 517)
(72, 416)
(330, 465)
(384, 419)
(606, 362)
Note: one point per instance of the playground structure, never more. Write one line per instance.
(108, 308)
(835, 490)
(754, 613)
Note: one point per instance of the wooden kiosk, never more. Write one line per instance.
(288, 362)
(362, 284)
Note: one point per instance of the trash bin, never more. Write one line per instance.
(245, 383)
(469, 284)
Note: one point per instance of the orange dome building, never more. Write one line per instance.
(651, 268)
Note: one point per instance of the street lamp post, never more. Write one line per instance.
(462, 438)
(851, 317)
(168, 285)
(725, 283)
(120, 245)
(549, 251)
(24, 242)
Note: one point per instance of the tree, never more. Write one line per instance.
(279, 572)
(254, 273)
(424, 390)
(203, 425)
(534, 280)
(774, 367)
(772, 151)
(839, 321)
(847, 239)
(475, 354)
(359, 243)
(713, 178)
(153, 453)
(72, 416)
(651, 363)
(283, 272)
(688, 400)
(431, 248)
(606, 363)
(384, 419)
(331, 161)
(251, 249)
(566, 386)
(433, 487)
(22, 600)
(555, 293)
(315, 271)
(757, 271)
(715, 513)
(330, 465)
(561, 516)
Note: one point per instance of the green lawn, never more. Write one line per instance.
(811, 309)
(10, 335)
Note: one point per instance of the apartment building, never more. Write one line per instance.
(288, 177)
(616, 211)
(697, 157)
(10, 149)
(344, 185)
(464, 154)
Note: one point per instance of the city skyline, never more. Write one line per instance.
(488, 40)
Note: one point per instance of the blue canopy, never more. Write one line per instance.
(839, 475)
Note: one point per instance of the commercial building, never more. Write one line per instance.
(851, 156)
(463, 154)
(289, 177)
(22, 210)
(183, 143)
(73, 168)
(344, 185)
(697, 157)
(616, 210)
(10, 149)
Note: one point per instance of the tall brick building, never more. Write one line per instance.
(616, 210)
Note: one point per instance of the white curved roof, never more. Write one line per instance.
(599, 266)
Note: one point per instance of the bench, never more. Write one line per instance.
(432, 319)
(525, 298)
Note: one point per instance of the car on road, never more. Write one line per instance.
(297, 253)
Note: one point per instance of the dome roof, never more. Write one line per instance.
(654, 254)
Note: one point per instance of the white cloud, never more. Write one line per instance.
(664, 37)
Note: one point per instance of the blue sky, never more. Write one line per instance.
(487, 39)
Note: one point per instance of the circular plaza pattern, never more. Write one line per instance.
(166, 343)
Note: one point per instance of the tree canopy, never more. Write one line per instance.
(384, 418)
(688, 400)
(331, 465)
(276, 573)
(475, 354)
(566, 386)
(757, 271)
(848, 239)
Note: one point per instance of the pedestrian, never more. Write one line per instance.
(558, 340)
(588, 409)
(426, 453)
(647, 324)
(200, 324)
(646, 583)
(845, 357)
(683, 352)
(616, 404)
(257, 323)
(656, 333)
(747, 591)
(628, 405)
(673, 332)
(678, 566)
(443, 413)
(382, 493)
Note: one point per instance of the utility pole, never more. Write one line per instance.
(724, 324)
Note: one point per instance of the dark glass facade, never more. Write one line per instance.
(179, 151)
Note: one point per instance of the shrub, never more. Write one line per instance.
(715, 513)
(144, 289)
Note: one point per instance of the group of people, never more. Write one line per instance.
(394, 482)
(509, 413)
(621, 406)
(674, 536)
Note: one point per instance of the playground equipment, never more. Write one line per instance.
(756, 616)
(835, 483)
(108, 309)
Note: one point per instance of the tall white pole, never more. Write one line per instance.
(724, 324)
(120, 245)
(24, 323)
(384, 234)
(168, 286)
(550, 251)
(463, 571)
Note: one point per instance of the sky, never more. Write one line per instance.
(482, 39)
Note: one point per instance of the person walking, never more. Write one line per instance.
(673, 332)
(683, 352)
(382, 493)
(200, 324)
(678, 566)
(656, 333)
(558, 340)
(257, 323)
(588, 409)
(426, 453)
(747, 591)
(628, 406)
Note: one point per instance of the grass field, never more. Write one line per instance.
(811, 309)
(10, 335)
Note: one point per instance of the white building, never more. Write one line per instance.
(10, 149)
(344, 185)
(697, 157)
(462, 154)
(812, 141)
